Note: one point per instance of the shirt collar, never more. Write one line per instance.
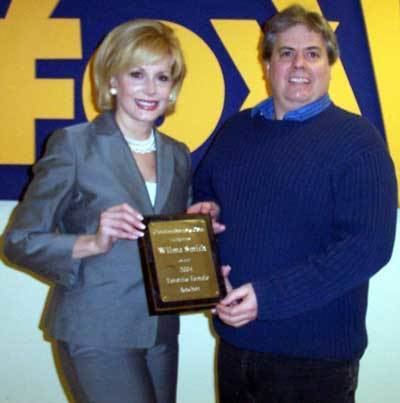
(267, 110)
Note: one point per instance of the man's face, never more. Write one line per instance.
(298, 71)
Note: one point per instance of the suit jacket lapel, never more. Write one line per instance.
(165, 171)
(121, 162)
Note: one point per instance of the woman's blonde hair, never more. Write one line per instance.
(131, 44)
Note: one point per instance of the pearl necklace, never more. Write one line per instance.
(142, 146)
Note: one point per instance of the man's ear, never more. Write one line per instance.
(267, 66)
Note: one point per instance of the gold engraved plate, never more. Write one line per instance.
(179, 263)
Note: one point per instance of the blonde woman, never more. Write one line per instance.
(78, 223)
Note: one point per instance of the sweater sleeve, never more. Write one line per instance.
(202, 179)
(189, 170)
(365, 197)
(34, 239)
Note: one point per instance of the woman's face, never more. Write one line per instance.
(143, 94)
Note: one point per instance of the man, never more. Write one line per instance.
(307, 192)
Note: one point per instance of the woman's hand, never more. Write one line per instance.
(117, 222)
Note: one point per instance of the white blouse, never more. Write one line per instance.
(151, 189)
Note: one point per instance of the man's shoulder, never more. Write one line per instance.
(344, 116)
(243, 115)
(237, 122)
(343, 123)
(354, 134)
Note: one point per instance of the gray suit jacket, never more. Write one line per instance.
(99, 300)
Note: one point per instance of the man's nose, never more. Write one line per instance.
(298, 60)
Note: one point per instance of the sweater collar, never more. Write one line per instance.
(267, 110)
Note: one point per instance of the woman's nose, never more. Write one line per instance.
(150, 87)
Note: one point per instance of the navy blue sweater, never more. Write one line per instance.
(310, 210)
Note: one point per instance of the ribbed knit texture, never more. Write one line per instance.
(310, 210)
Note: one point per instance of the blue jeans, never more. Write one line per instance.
(253, 377)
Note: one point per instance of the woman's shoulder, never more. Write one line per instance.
(178, 145)
(82, 133)
(65, 133)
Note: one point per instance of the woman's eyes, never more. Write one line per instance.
(137, 74)
(164, 78)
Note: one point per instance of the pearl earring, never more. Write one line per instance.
(171, 98)
(113, 91)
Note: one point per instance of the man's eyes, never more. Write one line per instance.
(291, 54)
(313, 54)
(286, 54)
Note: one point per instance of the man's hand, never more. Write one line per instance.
(225, 274)
(239, 307)
(208, 207)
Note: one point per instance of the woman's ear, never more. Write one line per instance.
(113, 82)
